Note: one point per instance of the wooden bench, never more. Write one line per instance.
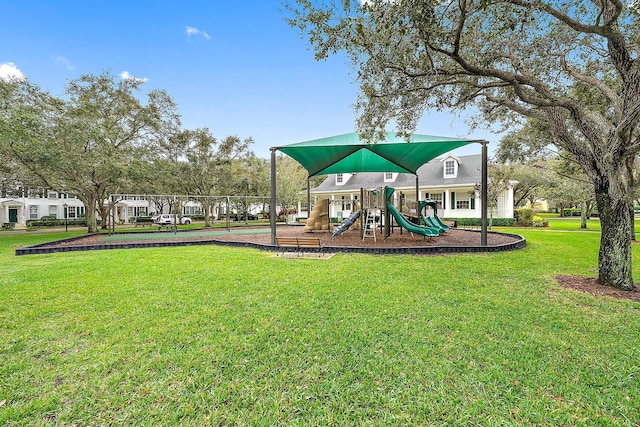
(300, 244)
(142, 223)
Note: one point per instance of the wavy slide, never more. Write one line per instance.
(434, 221)
(348, 222)
(404, 223)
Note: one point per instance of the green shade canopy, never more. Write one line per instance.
(348, 154)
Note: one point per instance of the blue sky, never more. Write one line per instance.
(233, 66)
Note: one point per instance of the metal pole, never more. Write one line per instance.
(175, 215)
(113, 215)
(272, 207)
(308, 197)
(483, 237)
(387, 215)
(228, 213)
(362, 212)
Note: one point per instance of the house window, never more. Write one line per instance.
(53, 195)
(436, 197)
(449, 169)
(390, 176)
(33, 193)
(191, 210)
(462, 204)
(33, 212)
(346, 204)
(71, 212)
(53, 211)
(339, 178)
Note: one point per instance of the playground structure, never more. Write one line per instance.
(403, 222)
(319, 217)
(366, 218)
(347, 223)
(432, 221)
(372, 215)
(391, 152)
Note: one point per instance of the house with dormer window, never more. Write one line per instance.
(451, 181)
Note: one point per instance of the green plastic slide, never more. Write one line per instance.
(404, 223)
(434, 221)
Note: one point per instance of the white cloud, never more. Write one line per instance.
(193, 31)
(9, 72)
(126, 76)
(64, 62)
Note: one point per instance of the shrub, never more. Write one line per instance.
(524, 217)
(538, 221)
(567, 212)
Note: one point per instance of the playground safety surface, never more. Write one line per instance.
(451, 241)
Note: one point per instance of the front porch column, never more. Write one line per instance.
(446, 210)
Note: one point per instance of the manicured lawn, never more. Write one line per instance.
(227, 336)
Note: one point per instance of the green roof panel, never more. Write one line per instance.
(348, 154)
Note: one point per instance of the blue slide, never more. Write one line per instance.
(433, 222)
(348, 222)
(404, 223)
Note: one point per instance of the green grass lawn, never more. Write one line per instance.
(228, 336)
(569, 224)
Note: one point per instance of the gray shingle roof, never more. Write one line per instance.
(429, 174)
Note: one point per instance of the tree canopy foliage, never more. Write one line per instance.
(105, 136)
(85, 142)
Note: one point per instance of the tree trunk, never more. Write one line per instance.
(583, 215)
(90, 214)
(614, 259)
(206, 208)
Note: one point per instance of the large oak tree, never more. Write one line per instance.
(88, 141)
(558, 62)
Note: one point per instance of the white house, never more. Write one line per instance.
(23, 205)
(36, 204)
(451, 181)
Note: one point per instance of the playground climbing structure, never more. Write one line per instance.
(319, 217)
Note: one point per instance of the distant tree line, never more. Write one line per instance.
(106, 136)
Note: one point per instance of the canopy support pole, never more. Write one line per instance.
(387, 215)
(417, 196)
(363, 217)
(483, 232)
(272, 206)
(308, 197)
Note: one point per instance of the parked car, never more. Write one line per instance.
(170, 219)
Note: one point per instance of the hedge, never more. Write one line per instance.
(477, 222)
(80, 222)
(140, 220)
